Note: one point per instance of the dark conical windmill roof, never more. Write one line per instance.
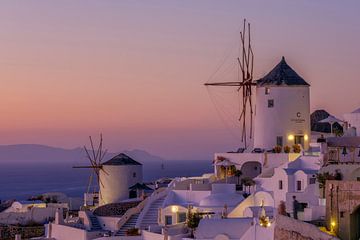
(121, 159)
(282, 74)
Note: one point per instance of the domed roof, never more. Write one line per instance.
(282, 74)
(121, 159)
(220, 199)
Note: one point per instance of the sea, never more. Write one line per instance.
(22, 180)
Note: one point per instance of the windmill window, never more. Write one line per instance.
(134, 174)
(270, 103)
(280, 184)
(267, 91)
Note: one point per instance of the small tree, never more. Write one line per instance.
(193, 220)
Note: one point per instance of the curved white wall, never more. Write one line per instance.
(115, 184)
(290, 115)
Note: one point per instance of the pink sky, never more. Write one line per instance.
(134, 70)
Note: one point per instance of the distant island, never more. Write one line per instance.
(35, 153)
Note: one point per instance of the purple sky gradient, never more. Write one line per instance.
(134, 70)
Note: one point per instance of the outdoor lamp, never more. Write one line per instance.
(174, 209)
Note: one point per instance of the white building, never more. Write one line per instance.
(353, 119)
(116, 176)
(296, 178)
(282, 115)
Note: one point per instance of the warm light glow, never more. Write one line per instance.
(291, 137)
(306, 137)
(174, 209)
(333, 223)
(268, 224)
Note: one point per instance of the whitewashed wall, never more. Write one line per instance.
(290, 115)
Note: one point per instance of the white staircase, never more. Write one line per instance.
(128, 225)
(95, 225)
(151, 215)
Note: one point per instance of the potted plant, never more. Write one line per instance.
(287, 149)
(277, 149)
(296, 148)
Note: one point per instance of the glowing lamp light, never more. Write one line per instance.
(174, 209)
(333, 224)
(291, 137)
(306, 137)
(268, 224)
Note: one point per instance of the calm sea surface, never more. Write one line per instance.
(19, 181)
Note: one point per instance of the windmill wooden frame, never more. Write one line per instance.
(245, 83)
(95, 157)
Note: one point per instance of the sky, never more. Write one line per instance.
(134, 70)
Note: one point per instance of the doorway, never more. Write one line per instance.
(299, 139)
(355, 224)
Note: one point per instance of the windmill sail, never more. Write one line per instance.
(244, 83)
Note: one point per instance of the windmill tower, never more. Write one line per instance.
(282, 109)
(115, 176)
(282, 112)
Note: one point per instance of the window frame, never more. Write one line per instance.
(298, 184)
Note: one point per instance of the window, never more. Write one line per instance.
(279, 140)
(312, 180)
(267, 91)
(280, 184)
(181, 217)
(342, 213)
(298, 185)
(358, 179)
(270, 103)
(168, 220)
(134, 174)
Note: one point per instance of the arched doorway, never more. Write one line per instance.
(355, 224)
(251, 169)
